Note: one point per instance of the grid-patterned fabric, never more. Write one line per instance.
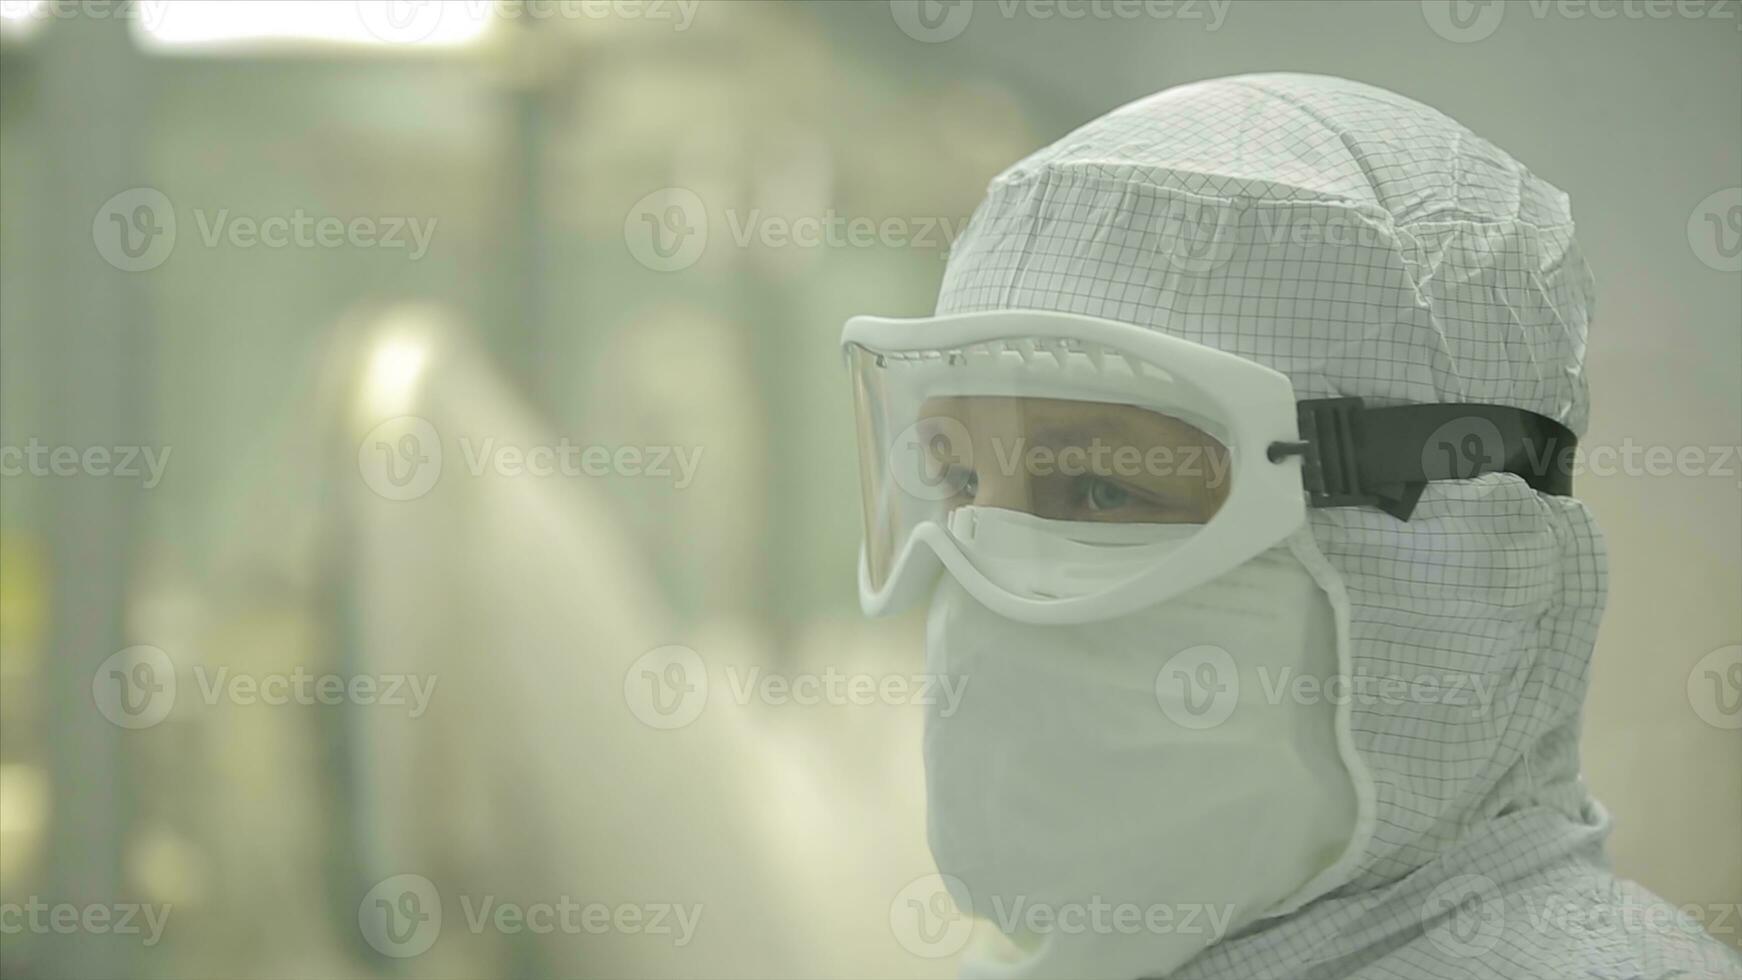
(1364, 244)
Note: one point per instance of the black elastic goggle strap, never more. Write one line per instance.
(1353, 455)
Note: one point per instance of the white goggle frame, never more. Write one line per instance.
(1253, 404)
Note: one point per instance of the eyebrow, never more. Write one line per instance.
(1074, 432)
(1176, 432)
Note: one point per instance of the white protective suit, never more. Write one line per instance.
(1364, 244)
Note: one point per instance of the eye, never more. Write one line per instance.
(964, 481)
(1103, 494)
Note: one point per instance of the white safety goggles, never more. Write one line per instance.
(1067, 469)
(1063, 468)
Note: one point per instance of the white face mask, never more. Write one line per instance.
(1114, 797)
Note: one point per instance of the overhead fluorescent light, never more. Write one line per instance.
(21, 18)
(192, 26)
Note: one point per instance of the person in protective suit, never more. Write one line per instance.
(1280, 676)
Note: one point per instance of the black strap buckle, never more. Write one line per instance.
(1352, 455)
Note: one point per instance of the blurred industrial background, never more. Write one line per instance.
(388, 390)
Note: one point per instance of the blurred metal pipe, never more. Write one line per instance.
(520, 279)
(95, 378)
